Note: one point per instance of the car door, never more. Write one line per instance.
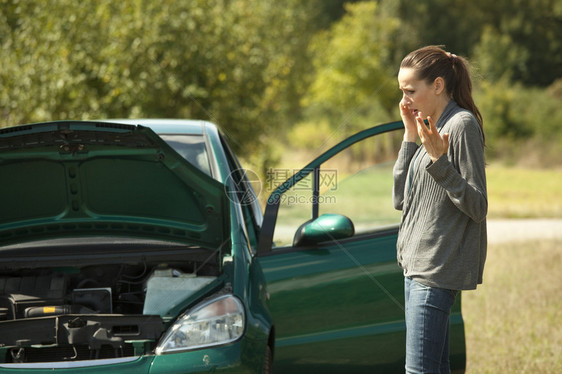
(328, 250)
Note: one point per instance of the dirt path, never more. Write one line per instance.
(506, 230)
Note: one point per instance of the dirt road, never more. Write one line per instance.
(506, 230)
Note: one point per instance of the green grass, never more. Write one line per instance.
(524, 193)
(366, 197)
(512, 193)
(513, 321)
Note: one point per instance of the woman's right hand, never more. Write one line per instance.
(410, 125)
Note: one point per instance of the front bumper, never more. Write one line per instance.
(238, 357)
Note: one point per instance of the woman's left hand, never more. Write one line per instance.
(435, 145)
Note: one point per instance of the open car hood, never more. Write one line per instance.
(82, 179)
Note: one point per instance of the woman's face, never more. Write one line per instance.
(418, 95)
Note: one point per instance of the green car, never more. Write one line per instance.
(139, 246)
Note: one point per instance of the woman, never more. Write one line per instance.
(440, 186)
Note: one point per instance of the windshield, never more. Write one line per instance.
(190, 147)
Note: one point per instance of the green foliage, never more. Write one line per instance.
(518, 38)
(498, 55)
(352, 62)
(498, 105)
(256, 67)
(310, 134)
(456, 24)
(534, 28)
(354, 82)
(522, 124)
(231, 62)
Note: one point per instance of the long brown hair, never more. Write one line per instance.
(432, 61)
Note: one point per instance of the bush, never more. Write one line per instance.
(522, 123)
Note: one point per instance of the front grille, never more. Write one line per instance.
(66, 353)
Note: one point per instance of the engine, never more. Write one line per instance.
(100, 289)
(92, 312)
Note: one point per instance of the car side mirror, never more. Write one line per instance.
(326, 227)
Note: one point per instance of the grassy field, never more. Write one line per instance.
(512, 192)
(524, 193)
(513, 321)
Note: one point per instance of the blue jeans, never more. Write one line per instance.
(427, 327)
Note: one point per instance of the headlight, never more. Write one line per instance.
(218, 321)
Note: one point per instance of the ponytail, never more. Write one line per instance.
(432, 62)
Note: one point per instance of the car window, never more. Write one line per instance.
(356, 183)
(190, 147)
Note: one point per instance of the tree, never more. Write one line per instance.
(519, 38)
(231, 62)
(522, 39)
(354, 82)
(354, 66)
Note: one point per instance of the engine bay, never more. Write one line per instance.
(89, 290)
(94, 311)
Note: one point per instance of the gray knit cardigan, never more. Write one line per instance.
(442, 238)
